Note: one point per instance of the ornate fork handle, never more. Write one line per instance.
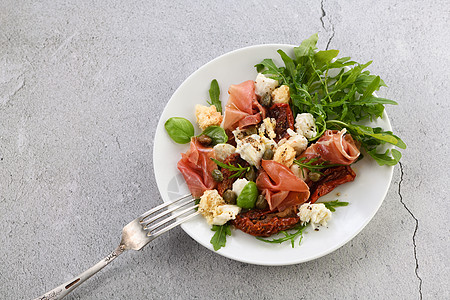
(65, 288)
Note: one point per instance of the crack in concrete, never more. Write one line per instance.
(324, 14)
(415, 229)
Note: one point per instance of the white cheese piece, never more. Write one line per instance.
(264, 85)
(215, 210)
(297, 141)
(222, 151)
(224, 213)
(317, 214)
(251, 149)
(305, 125)
(239, 185)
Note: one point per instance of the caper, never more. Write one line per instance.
(268, 154)
(314, 176)
(251, 130)
(251, 174)
(266, 100)
(229, 197)
(261, 202)
(217, 175)
(204, 140)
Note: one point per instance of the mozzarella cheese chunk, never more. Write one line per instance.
(239, 185)
(285, 155)
(264, 85)
(215, 210)
(281, 95)
(207, 116)
(267, 128)
(251, 149)
(222, 151)
(317, 214)
(296, 141)
(224, 213)
(305, 125)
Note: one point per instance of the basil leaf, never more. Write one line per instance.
(179, 129)
(248, 196)
(219, 238)
(214, 93)
(217, 134)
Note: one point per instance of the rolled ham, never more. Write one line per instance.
(196, 167)
(334, 147)
(242, 109)
(280, 186)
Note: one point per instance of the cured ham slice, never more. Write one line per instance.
(335, 147)
(280, 186)
(196, 167)
(242, 109)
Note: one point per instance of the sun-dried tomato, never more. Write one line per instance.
(282, 113)
(331, 178)
(265, 223)
(227, 182)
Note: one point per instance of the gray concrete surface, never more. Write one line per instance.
(82, 86)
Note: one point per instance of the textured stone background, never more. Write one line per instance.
(81, 90)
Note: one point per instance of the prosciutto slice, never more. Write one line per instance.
(335, 147)
(242, 109)
(196, 167)
(280, 186)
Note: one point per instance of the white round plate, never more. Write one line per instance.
(365, 194)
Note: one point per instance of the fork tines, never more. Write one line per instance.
(168, 215)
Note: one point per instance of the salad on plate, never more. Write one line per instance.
(282, 141)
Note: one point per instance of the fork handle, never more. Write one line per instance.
(65, 288)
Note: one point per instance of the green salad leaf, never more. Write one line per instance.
(332, 204)
(338, 92)
(217, 134)
(219, 238)
(288, 236)
(214, 93)
(179, 129)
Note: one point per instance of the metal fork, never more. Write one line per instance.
(135, 235)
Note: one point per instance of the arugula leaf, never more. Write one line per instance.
(179, 129)
(306, 48)
(288, 236)
(384, 158)
(288, 62)
(324, 57)
(219, 238)
(272, 70)
(217, 134)
(332, 204)
(338, 94)
(214, 93)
